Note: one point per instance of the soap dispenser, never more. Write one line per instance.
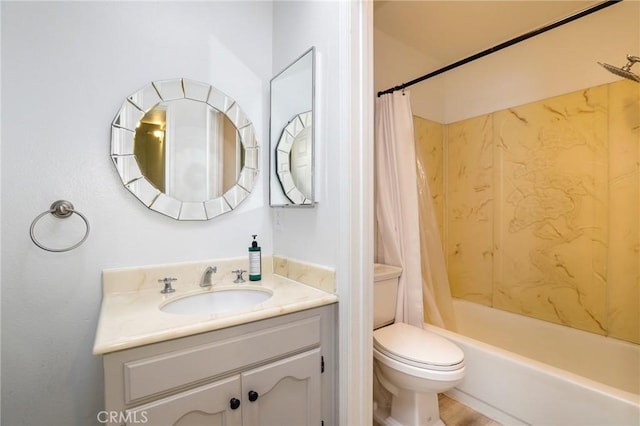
(255, 261)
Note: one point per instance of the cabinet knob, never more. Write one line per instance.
(253, 396)
(234, 403)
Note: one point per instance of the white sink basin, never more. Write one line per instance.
(217, 301)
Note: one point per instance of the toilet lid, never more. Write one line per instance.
(418, 347)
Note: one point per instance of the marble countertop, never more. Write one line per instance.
(133, 318)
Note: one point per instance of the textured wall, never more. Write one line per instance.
(66, 69)
(541, 208)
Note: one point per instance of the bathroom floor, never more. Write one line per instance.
(454, 413)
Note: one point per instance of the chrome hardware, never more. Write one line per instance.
(239, 278)
(61, 209)
(167, 285)
(205, 281)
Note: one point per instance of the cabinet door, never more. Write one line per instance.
(208, 405)
(283, 393)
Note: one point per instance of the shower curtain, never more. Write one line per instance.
(398, 220)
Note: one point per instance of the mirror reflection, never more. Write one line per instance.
(294, 160)
(292, 135)
(184, 149)
(196, 158)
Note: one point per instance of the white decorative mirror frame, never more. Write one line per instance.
(206, 195)
(294, 159)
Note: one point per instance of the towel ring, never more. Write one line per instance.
(61, 209)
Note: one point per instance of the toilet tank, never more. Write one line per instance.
(385, 293)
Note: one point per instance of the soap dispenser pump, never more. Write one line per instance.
(255, 261)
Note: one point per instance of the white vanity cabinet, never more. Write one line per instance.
(204, 405)
(284, 392)
(278, 371)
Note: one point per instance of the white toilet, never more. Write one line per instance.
(413, 364)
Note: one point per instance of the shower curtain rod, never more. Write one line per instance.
(501, 46)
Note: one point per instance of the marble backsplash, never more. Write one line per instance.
(539, 207)
(189, 274)
(320, 277)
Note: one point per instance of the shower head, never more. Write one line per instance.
(624, 71)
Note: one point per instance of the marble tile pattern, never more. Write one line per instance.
(623, 310)
(551, 193)
(130, 314)
(542, 209)
(470, 209)
(317, 276)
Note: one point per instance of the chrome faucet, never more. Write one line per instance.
(205, 281)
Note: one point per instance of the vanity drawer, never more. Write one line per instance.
(161, 373)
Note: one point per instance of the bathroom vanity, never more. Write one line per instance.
(270, 364)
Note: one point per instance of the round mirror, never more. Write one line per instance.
(294, 159)
(184, 149)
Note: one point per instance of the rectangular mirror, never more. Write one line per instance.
(291, 176)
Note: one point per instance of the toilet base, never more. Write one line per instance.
(384, 419)
(410, 409)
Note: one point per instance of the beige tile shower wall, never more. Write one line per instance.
(623, 311)
(542, 208)
(470, 209)
(551, 233)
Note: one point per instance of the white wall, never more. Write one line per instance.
(337, 232)
(559, 61)
(312, 234)
(553, 63)
(397, 63)
(66, 69)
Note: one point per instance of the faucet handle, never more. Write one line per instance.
(167, 285)
(239, 273)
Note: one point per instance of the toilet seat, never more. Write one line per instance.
(417, 347)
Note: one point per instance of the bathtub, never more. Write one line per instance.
(525, 371)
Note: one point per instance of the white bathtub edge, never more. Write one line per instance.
(611, 392)
(526, 380)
